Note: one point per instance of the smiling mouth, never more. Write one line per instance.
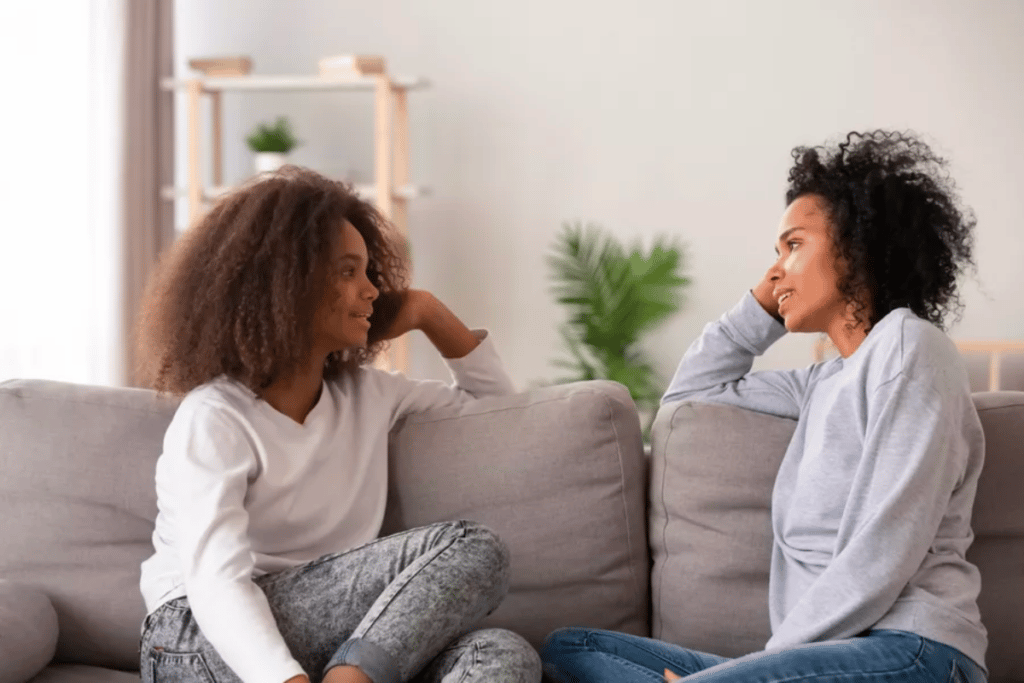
(784, 297)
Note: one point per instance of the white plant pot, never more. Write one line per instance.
(270, 161)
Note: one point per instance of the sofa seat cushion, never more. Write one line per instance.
(559, 474)
(28, 632)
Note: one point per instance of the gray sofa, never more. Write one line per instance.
(674, 545)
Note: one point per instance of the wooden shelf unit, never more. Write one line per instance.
(391, 189)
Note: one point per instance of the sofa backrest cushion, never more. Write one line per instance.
(998, 522)
(559, 474)
(78, 502)
(712, 471)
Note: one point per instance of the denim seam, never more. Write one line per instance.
(461, 529)
(640, 645)
(476, 663)
(277, 576)
(654, 676)
(199, 658)
(860, 675)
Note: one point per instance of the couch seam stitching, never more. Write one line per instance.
(625, 507)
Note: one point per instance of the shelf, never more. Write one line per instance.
(365, 190)
(292, 83)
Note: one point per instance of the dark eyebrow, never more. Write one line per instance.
(784, 236)
(352, 257)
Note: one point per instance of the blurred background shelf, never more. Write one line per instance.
(365, 190)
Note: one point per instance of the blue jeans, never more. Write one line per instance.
(401, 608)
(577, 655)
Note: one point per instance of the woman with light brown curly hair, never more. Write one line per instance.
(272, 482)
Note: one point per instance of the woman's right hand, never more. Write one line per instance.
(764, 292)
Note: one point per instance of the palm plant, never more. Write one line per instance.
(614, 296)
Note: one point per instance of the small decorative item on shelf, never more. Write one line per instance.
(351, 66)
(222, 66)
(272, 142)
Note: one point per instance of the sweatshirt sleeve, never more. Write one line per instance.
(916, 447)
(477, 374)
(202, 480)
(716, 367)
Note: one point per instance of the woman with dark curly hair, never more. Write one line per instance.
(872, 502)
(272, 482)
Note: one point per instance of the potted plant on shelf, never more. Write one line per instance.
(271, 143)
(615, 295)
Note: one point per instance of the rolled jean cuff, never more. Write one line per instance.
(372, 659)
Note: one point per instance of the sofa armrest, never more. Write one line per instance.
(559, 473)
(28, 632)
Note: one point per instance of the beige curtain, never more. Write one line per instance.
(148, 155)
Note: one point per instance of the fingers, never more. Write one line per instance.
(671, 675)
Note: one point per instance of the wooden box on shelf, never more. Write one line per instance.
(351, 66)
(222, 66)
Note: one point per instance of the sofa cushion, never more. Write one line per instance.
(712, 471)
(559, 473)
(998, 522)
(28, 632)
(82, 673)
(78, 503)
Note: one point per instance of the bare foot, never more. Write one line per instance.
(346, 674)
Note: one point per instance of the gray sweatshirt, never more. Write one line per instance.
(871, 510)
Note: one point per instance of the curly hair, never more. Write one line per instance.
(236, 294)
(899, 230)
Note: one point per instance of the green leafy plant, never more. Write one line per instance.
(614, 295)
(275, 137)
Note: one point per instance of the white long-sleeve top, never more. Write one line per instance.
(871, 509)
(243, 490)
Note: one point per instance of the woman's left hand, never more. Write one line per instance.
(395, 313)
(412, 309)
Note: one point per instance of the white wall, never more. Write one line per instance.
(650, 117)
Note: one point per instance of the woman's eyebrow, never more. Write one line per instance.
(352, 257)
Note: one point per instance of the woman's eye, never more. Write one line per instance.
(792, 245)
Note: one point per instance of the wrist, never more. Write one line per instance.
(426, 306)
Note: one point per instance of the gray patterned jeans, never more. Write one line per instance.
(399, 608)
